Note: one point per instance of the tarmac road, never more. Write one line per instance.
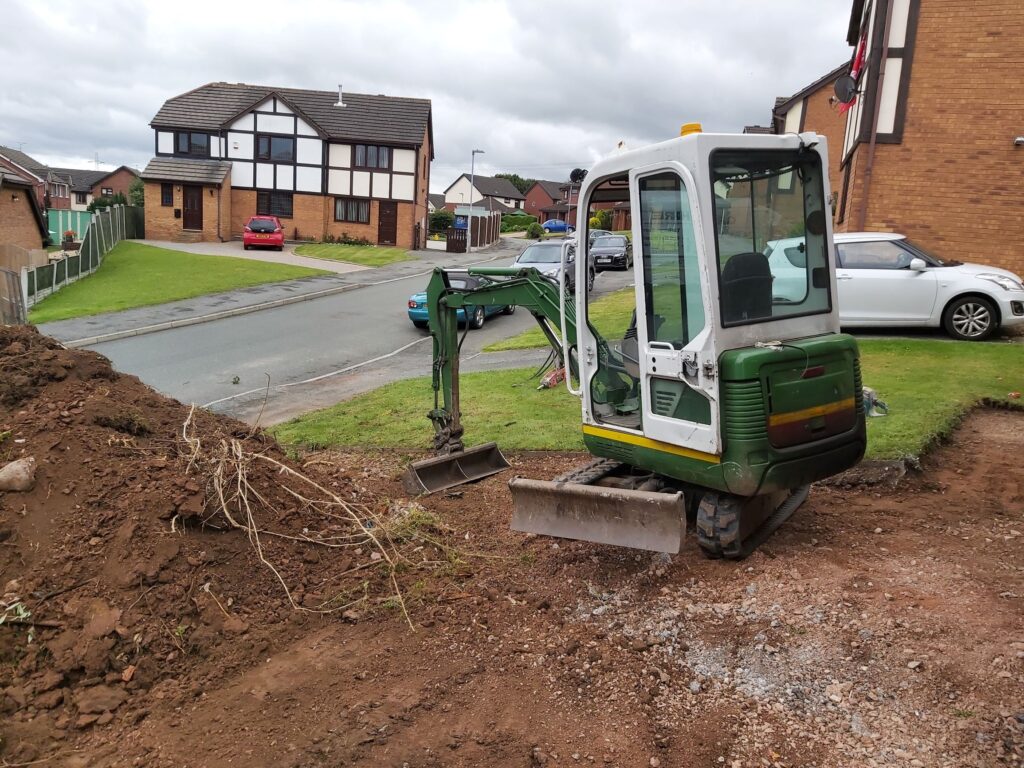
(315, 352)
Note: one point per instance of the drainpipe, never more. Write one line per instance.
(220, 202)
(862, 214)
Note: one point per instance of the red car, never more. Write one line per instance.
(263, 232)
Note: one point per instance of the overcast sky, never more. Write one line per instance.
(542, 87)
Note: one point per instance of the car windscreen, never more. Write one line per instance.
(460, 283)
(262, 225)
(610, 242)
(930, 257)
(541, 254)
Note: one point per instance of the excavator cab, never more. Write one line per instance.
(728, 389)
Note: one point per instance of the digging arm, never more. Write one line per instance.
(524, 288)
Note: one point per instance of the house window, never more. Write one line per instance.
(192, 144)
(107, 191)
(280, 149)
(59, 190)
(166, 194)
(274, 204)
(352, 210)
(80, 198)
(372, 156)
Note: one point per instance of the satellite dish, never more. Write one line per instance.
(846, 89)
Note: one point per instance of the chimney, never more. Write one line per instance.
(341, 101)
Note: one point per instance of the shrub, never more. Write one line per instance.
(604, 217)
(441, 220)
(513, 222)
(595, 222)
(535, 231)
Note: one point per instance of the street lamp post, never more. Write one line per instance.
(472, 189)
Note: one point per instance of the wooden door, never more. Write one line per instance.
(387, 223)
(192, 207)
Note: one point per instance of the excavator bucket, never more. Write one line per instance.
(624, 518)
(440, 472)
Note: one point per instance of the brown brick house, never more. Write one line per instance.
(21, 219)
(544, 200)
(228, 151)
(930, 147)
(52, 190)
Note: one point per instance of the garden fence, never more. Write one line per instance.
(105, 230)
(12, 303)
(60, 222)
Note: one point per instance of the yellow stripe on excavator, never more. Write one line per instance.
(646, 442)
(809, 413)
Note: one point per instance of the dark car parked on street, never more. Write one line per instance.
(611, 252)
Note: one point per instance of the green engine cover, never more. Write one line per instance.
(791, 415)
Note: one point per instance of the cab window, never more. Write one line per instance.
(770, 235)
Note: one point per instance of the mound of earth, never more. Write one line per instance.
(135, 570)
(162, 550)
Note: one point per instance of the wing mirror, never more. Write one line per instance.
(918, 265)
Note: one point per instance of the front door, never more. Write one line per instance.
(192, 207)
(387, 224)
(876, 282)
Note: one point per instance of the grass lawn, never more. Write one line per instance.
(367, 255)
(137, 275)
(927, 384)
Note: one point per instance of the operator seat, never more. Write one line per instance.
(746, 288)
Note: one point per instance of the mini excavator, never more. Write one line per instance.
(728, 391)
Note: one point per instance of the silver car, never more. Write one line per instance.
(546, 258)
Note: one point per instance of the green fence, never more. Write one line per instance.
(60, 222)
(105, 230)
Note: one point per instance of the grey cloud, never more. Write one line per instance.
(540, 86)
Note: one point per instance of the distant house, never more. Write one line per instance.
(435, 202)
(933, 145)
(325, 163)
(492, 193)
(544, 200)
(21, 218)
(52, 190)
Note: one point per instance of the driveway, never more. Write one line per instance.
(234, 248)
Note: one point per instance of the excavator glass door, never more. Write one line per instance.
(674, 335)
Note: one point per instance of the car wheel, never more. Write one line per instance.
(420, 323)
(570, 230)
(509, 310)
(246, 247)
(477, 320)
(970, 318)
(590, 280)
(547, 230)
(280, 248)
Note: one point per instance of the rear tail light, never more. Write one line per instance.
(412, 304)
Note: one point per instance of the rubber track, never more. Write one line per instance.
(718, 524)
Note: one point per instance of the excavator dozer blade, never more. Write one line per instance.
(637, 519)
(440, 472)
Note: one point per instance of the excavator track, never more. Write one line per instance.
(590, 473)
(723, 521)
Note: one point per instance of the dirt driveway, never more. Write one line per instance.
(879, 627)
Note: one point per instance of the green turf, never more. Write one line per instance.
(366, 255)
(927, 384)
(504, 406)
(137, 275)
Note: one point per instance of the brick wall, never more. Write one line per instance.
(18, 224)
(160, 221)
(422, 191)
(955, 182)
(162, 225)
(537, 198)
(821, 117)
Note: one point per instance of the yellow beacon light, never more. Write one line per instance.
(689, 128)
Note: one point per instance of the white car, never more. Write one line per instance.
(886, 280)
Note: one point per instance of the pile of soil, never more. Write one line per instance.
(124, 581)
(881, 626)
